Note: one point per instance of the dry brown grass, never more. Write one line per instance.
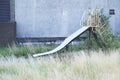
(98, 66)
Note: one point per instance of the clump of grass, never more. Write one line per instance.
(25, 51)
(73, 66)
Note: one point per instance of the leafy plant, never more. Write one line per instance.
(104, 33)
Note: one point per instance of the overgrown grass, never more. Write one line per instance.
(27, 50)
(19, 51)
(73, 66)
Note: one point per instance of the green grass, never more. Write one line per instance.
(25, 51)
(19, 51)
(73, 66)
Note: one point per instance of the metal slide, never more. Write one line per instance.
(65, 42)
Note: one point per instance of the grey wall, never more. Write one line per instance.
(115, 19)
(12, 10)
(58, 18)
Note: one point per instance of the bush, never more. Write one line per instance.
(105, 35)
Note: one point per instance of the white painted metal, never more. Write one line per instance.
(65, 42)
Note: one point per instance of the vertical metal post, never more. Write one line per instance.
(89, 41)
(67, 48)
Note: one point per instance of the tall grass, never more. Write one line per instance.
(73, 66)
(26, 50)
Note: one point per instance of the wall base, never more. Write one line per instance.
(7, 33)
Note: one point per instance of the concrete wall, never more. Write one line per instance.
(12, 10)
(58, 18)
(115, 19)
